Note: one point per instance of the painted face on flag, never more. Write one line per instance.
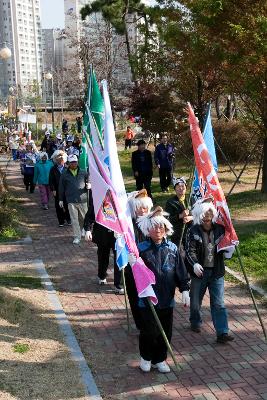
(108, 210)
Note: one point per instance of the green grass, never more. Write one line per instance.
(9, 233)
(11, 213)
(247, 201)
(253, 249)
(21, 348)
(21, 281)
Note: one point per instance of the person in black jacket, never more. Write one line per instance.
(105, 241)
(206, 267)
(142, 167)
(59, 158)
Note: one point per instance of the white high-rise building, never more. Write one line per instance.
(53, 45)
(20, 29)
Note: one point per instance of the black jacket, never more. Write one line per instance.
(142, 162)
(174, 207)
(195, 252)
(167, 265)
(54, 177)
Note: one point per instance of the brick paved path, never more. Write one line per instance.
(207, 370)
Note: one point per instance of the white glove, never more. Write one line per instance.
(61, 204)
(88, 185)
(132, 259)
(198, 270)
(185, 298)
(88, 236)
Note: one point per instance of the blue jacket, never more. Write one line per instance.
(169, 269)
(41, 172)
(163, 155)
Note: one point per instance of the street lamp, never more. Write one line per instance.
(49, 77)
(5, 52)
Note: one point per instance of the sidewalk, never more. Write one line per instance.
(208, 370)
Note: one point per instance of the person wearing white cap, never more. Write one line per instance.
(41, 176)
(73, 185)
(179, 214)
(59, 158)
(14, 145)
(47, 144)
(206, 267)
(162, 257)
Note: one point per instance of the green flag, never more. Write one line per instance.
(96, 106)
(83, 159)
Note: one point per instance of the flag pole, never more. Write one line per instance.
(250, 291)
(125, 298)
(163, 333)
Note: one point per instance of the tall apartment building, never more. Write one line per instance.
(20, 29)
(53, 46)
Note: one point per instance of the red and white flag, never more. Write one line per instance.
(210, 185)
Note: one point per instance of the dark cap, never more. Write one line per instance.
(141, 141)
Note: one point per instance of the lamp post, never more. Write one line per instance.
(49, 77)
(5, 52)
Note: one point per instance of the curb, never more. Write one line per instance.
(91, 389)
(240, 278)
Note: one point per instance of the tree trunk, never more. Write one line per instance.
(264, 167)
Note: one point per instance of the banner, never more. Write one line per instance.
(211, 185)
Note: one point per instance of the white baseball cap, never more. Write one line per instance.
(72, 158)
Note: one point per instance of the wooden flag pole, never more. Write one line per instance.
(250, 291)
(163, 333)
(125, 298)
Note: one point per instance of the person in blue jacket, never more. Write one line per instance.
(163, 156)
(41, 176)
(162, 257)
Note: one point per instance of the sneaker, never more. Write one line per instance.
(102, 281)
(76, 241)
(119, 290)
(224, 338)
(195, 329)
(162, 367)
(145, 365)
(60, 225)
(83, 233)
(68, 222)
(45, 207)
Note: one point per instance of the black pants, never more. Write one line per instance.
(151, 343)
(165, 177)
(62, 213)
(103, 261)
(143, 181)
(132, 296)
(28, 181)
(128, 143)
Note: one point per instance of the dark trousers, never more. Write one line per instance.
(165, 177)
(143, 181)
(132, 296)
(103, 261)
(62, 213)
(128, 143)
(28, 181)
(151, 343)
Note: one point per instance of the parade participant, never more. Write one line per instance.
(142, 167)
(206, 267)
(59, 142)
(140, 204)
(162, 257)
(14, 145)
(28, 163)
(178, 211)
(129, 135)
(73, 186)
(70, 149)
(163, 157)
(47, 144)
(105, 241)
(41, 176)
(59, 158)
(65, 126)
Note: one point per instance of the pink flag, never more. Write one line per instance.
(210, 185)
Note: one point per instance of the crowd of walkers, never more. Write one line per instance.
(178, 245)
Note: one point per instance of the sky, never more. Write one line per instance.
(52, 13)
